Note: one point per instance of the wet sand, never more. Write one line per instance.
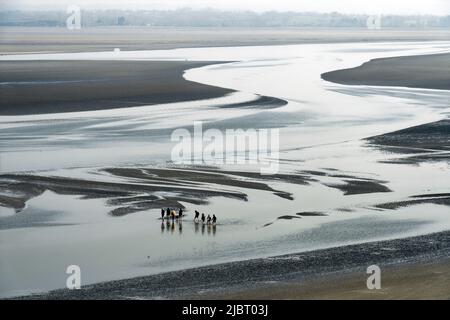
(421, 281)
(342, 266)
(411, 268)
(427, 142)
(425, 71)
(139, 189)
(38, 87)
(423, 143)
(23, 39)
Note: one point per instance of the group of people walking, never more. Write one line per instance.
(209, 219)
(173, 214)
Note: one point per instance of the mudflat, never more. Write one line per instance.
(424, 71)
(38, 87)
(50, 39)
(411, 268)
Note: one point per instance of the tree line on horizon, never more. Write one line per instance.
(215, 18)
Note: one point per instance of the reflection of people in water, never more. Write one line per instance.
(196, 227)
(173, 216)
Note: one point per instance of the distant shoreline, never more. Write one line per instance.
(15, 40)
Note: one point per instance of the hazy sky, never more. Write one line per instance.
(437, 7)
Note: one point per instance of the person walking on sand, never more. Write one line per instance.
(197, 214)
(208, 220)
(214, 219)
(180, 213)
(203, 217)
(162, 214)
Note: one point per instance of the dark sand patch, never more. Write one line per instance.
(428, 142)
(311, 214)
(287, 217)
(284, 195)
(12, 202)
(433, 195)
(430, 136)
(439, 199)
(315, 173)
(424, 71)
(353, 187)
(36, 87)
(298, 215)
(263, 102)
(345, 210)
